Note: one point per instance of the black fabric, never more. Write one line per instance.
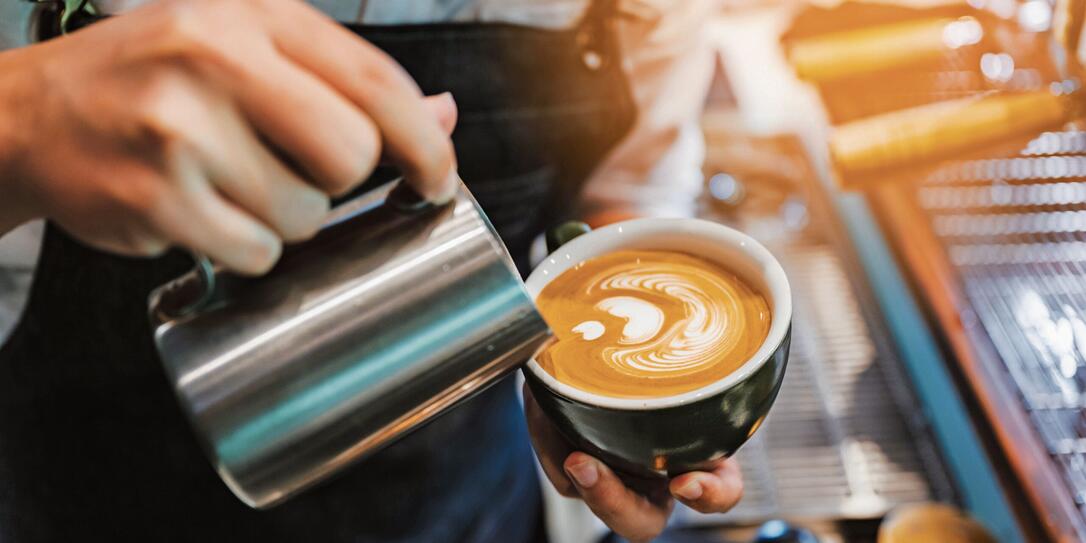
(93, 446)
(557, 116)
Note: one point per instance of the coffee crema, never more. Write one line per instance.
(644, 324)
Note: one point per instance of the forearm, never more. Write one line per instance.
(16, 206)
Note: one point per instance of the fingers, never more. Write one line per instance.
(197, 139)
(324, 134)
(550, 447)
(199, 218)
(627, 512)
(272, 193)
(371, 80)
(710, 492)
(249, 175)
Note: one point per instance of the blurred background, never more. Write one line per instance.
(919, 169)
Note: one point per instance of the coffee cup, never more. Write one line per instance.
(671, 434)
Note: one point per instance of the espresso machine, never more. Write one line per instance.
(946, 164)
(916, 167)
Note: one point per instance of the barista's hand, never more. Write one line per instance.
(218, 125)
(637, 515)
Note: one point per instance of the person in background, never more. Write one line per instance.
(224, 127)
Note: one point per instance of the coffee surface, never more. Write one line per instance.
(644, 324)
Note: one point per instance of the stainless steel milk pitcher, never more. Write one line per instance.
(393, 313)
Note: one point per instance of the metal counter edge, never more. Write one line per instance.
(959, 443)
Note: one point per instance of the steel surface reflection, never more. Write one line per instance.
(389, 316)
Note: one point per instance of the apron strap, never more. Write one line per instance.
(596, 34)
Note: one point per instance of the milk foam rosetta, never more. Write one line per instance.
(636, 324)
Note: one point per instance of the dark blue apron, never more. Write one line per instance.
(92, 444)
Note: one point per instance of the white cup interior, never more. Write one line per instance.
(730, 248)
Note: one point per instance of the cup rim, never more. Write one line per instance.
(588, 245)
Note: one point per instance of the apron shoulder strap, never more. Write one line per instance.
(596, 33)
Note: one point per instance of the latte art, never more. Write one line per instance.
(690, 342)
(649, 323)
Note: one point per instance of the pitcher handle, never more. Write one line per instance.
(564, 233)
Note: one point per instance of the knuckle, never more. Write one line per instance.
(380, 72)
(191, 35)
(156, 109)
(182, 28)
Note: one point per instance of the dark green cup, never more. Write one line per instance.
(669, 435)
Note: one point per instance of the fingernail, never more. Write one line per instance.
(584, 474)
(263, 254)
(690, 491)
(309, 211)
(448, 188)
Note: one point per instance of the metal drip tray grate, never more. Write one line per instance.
(835, 444)
(1015, 230)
